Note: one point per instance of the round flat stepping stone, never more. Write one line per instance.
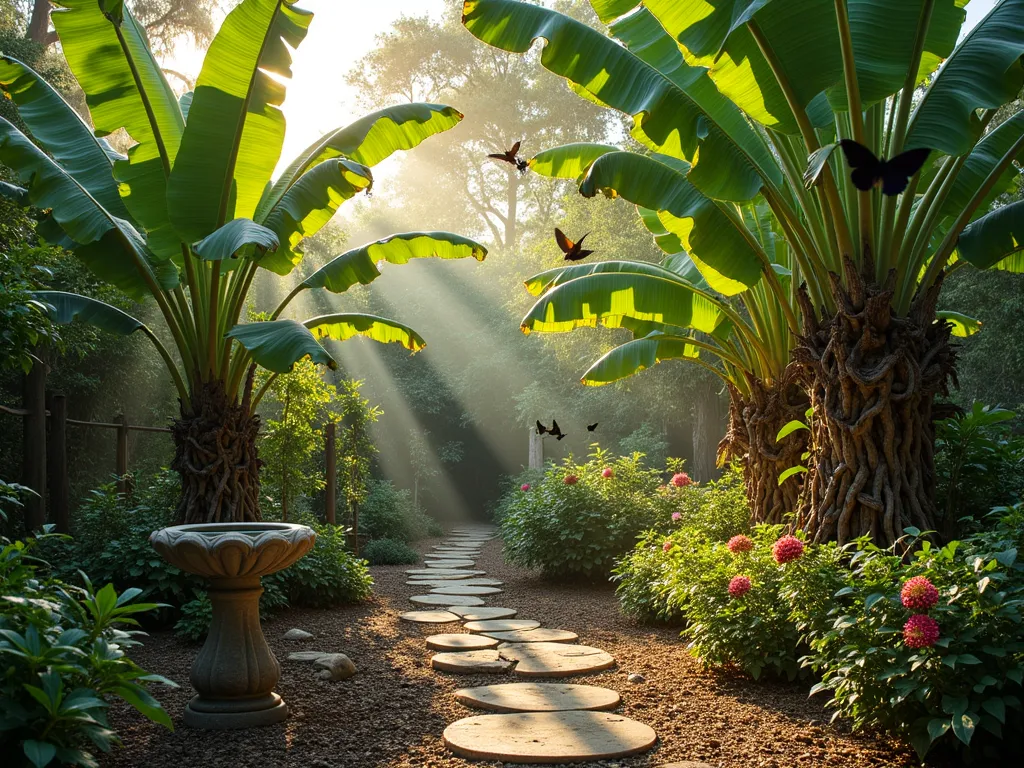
(548, 737)
(447, 600)
(442, 573)
(456, 550)
(502, 625)
(429, 617)
(541, 635)
(460, 642)
(447, 582)
(555, 659)
(470, 662)
(483, 614)
(537, 697)
(459, 589)
(450, 564)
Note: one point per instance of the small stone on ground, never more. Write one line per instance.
(429, 617)
(462, 642)
(447, 600)
(470, 662)
(307, 655)
(297, 634)
(633, 677)
(501, 625)
(547, 737)
(538, 697)
(335, 666)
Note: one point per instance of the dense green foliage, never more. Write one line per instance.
(62, 661)
(389, 552)
(579, 517)
(389, 513)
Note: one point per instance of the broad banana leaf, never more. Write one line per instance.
(109, 246)
(667, 118)
(278, 344)
(548, 279)
(995, 240)
(985, 155)
(344, 326)
(569, 161)
(63, 134)
(369, 140)
(668, 242)
(640, 354)
(233, 237)
(963, 325)
(724, 256)
(109, 55)
(610, 297)
(66, 307)
(359, 265)
(235, 130)
(984, 72)
(309, 204)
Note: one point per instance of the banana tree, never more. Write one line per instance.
(756, 95)
(191, 215)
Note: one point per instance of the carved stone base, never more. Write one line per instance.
(224, 714)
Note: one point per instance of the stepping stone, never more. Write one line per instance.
(483, 614)
(548, 737)
(542, 635)
(441, 573)
(555, 659)
(456, 550)
(537, 697)
(460, 642)
(450, 564)
(459, 589)
(429, 617)
(502, 625)
(470, 662)
(310, 655)
(448, 582)
(452, 600)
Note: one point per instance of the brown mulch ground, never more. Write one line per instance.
(392, 713)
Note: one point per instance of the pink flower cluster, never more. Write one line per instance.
(570, 479)
(524, 487)
(919, 594)
(681, 480)
(677, 516)
(920, 631)
(666, 546)
(739, 586)
(739, 544)
(608, 472)
(787, 549)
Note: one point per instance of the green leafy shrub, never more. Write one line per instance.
(576, 521)
(963, 685)
(390, 552)
(329, 575)
(62, 659)
(389, 513)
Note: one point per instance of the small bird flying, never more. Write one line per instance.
(573, 251)
(892, 175)
(512, 156)
(592, 427)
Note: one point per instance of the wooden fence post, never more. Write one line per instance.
(122, 453)
(536, 460)
(34, 457)
(57, 464)
(331, 489)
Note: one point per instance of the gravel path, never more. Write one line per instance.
(392, 713)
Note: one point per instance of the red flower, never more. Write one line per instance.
(739, 544)
(787, 548)
(739, 586)
(666, 546)
(524, 487)
(608, 472)
(920, 631)
(570, 479)
(681, 480)
(919, 594)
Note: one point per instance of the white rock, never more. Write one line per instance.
(335, 666)
(633, 677)
(297, 634)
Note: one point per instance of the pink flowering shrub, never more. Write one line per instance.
(608, 472)
(740, 543)
(739, 586)
(681, 480)
(920, 631)
(919, 594)
(524, 487)
(787, 549)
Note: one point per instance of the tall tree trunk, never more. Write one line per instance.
(708, 422)
(215, 455)
(511, 210)
(39, 24)
(754, 423)
(872, 378)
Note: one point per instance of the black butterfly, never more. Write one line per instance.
(541, 429)
(555, 431)
(592, 427)
(893, 174)
(572, 251)
(511, 156)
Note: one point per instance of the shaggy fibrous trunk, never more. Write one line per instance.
(215, 454)
(754, 423)
(872, 377)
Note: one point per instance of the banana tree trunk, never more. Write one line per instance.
(872, 379)
(215, 455)
(754, 423)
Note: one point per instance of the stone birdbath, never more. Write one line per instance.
(235, 672)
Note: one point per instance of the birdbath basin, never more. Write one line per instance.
(235, 672)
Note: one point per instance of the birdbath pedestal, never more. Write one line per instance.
(235, 672)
